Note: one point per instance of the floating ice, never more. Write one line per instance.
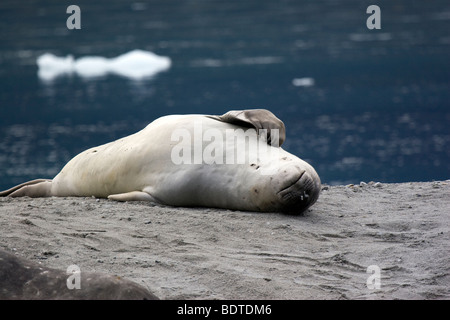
(136, 64)
(50, 66)
(303, 82)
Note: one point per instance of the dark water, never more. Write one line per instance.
(379, 107)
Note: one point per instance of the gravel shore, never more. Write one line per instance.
(330, 252)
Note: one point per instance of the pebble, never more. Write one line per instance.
(378, 185)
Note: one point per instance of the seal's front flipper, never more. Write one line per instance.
(259, 119)
(34, 189)
(132, 196)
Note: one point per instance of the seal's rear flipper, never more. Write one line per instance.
(132, 196)
(35, 189)
(259, 119)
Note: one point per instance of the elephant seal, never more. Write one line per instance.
(233, 161)
(21, 279)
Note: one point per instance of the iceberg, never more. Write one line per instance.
(136, 65)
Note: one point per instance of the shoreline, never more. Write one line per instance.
(206, 253)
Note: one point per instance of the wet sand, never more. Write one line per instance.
(202, 253)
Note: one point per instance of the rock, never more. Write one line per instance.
(21, 279)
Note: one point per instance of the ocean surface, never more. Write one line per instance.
(358, 104)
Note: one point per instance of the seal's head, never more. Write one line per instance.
(292, 186)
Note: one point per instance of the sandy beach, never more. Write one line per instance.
(202, 253)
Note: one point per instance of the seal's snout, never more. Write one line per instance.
(302, 191)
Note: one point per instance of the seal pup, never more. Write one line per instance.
(21, 279)
(164, 163)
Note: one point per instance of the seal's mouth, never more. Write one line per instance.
(300, 193)
(294, 180)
